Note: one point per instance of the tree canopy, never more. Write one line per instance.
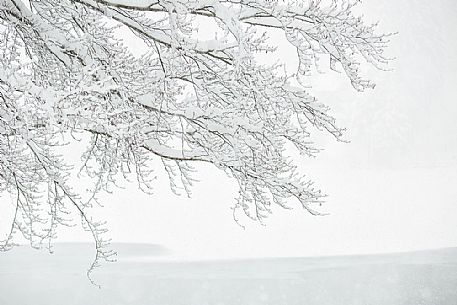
(67, 71)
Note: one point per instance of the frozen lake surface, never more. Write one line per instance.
(148, 274)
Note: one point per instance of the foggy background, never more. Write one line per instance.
(392, 188)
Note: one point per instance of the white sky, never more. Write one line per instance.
(393, 188)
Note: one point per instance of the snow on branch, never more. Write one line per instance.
(68, 74)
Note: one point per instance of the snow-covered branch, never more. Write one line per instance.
(67, 72)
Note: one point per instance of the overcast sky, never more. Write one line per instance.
(392, 188)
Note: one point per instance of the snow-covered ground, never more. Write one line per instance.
(149, 274)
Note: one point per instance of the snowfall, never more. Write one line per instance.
(150, 274)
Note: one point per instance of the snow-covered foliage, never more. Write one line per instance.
(186, 99)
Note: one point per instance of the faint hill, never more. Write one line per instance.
(148, 274)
